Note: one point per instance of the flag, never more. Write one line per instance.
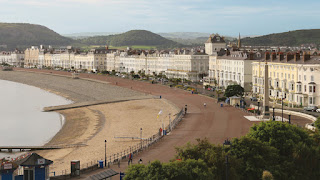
(160, 112)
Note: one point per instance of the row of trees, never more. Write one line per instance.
(271, 150)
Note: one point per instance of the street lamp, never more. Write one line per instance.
(227, 142)
(105, 153)
(282, 107)
(141, 137)
(273, 117)
(258, 108)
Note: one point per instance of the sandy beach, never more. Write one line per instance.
(91, 126)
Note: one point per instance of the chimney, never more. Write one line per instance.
(227, 52)
(306, 56)
(296, 57)
(281, 56)
(289, 57)
(273, 56)
(251, 56)
(267, 57)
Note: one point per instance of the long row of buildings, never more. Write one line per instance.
(294, 76)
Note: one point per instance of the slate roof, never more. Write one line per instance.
(103, 175)
(32, 160)
(215, 39)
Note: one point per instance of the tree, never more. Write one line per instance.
(212, 155)
(298, 151)
(255, 156)
(317, 123)
(189, 169)
(234, 90)
(282, 136)
(266, 175)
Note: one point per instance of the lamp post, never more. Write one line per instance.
(258, 108)
(141, 137)
(282, 107)
(227, 142)
(105, 153)
(289, 118)
(273, 117)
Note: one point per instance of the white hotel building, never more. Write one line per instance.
(13, 58)
(229, 67)
(232, 68)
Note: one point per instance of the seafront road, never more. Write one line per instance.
(213, 122)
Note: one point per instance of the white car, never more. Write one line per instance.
(318, 110)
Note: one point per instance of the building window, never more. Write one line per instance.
(314, 89)
(305, 77)
(305, 88)
(312, 79)
(310, 88)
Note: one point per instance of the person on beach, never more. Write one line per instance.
(204, 105)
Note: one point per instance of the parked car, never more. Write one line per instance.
(310, 108)
(318, 110)
(253, 99)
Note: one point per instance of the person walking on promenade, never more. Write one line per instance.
(185, 109)
(204, 105)
(130, 159)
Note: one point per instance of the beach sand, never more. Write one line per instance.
(92, 125)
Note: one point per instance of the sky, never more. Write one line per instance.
(226, 17)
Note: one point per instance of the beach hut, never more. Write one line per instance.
(6, 170)
(35, 167)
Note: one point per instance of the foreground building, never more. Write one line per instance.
(230, 68)
(292, 76)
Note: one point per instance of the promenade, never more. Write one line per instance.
(213, 122)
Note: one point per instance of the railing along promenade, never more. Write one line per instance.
(124, 154)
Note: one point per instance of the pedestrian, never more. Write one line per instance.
(185, 109)
(204, 105)
(130, 159)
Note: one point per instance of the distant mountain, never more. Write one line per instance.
(84, 35)
(184, 35)
(131, 38)
(21, 35)
(199, 41)
(291, 38)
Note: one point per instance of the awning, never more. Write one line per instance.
(103, 175)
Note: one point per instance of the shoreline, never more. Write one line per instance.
(87, 126)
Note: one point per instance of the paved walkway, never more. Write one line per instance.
(213, 122)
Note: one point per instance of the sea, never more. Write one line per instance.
(22, 122)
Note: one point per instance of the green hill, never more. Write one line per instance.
(21, 35)
(131, 38)
(291, 38)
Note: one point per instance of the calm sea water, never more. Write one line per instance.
(22, 121)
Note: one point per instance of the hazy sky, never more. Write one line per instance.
(227, 17)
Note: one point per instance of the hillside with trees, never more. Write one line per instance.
(291, 38)
(22, 35)
(132, 38)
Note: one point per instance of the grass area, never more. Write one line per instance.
(87, 48)
(133, 47)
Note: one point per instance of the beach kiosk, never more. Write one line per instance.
(6, 170)
(235, 100)
(35, 167)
